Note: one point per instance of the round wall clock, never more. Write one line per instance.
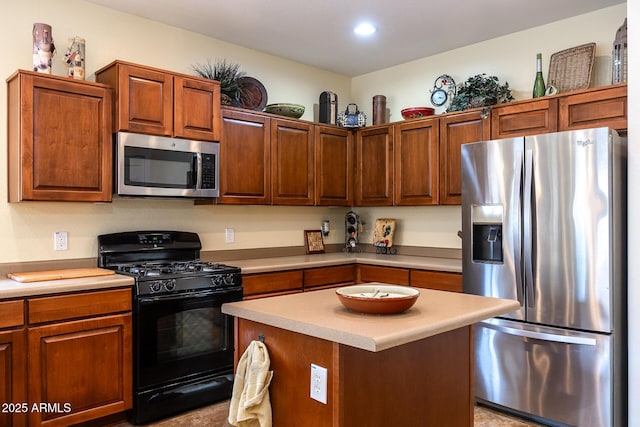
(444, 89)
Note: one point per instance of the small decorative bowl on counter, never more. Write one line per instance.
(417, 112)
(377, 298)
(288, 110)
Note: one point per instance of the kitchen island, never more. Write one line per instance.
(411, 369)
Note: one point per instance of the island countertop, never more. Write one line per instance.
(320, 314)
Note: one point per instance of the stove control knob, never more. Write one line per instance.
(216, 281)
(228, 279)
(170, 284)
(155, 286)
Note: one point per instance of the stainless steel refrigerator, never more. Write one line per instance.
(544, 222)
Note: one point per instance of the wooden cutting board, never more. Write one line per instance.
(70, 273)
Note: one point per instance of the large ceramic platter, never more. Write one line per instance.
(253, 94)
(376, 298)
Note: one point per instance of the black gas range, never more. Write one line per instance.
(182, 343)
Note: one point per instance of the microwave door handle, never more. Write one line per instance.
(198, 170)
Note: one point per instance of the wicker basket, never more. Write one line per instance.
(570, 69)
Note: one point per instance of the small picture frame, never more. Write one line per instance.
(313, 241)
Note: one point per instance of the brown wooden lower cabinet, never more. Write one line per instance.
(329, 277)
(439, 280)
(67, 359)
(374, 273)
(422, 383)
(270, 284)
(13, 377)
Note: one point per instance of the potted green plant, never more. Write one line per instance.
(480, 91)
(227, 73)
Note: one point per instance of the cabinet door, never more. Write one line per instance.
(292, 162)
(13, 378)
(456, 130)
(334, 166)
(196, 109)
(245, 158)
(59, 139)
(145, 101)
(603, 107)
(416, 162)
(374, 166)
(526, 118)
(83, 366)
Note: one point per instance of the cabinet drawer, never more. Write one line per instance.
(329, 275)
(12, 313)
(392, 275)
(63, 307)
(272, 282)
(438, 280)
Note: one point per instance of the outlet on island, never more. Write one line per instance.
(319, 383)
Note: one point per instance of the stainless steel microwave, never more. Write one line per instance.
(147, 165)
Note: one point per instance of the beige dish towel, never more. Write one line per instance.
(250, 405)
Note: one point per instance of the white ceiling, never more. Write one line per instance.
(319, 32)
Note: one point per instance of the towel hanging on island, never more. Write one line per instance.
(250, 405)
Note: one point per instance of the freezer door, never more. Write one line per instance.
(491, 220)
(568, 237)
(560, 375)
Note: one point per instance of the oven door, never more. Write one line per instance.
(182, 336)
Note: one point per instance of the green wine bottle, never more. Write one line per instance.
(538, 85)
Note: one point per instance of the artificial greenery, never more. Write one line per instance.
(480, 91)
(228, 74)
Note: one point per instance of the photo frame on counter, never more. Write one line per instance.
(313, 242)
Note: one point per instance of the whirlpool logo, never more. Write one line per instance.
(584, 142)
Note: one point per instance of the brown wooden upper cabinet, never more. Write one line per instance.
(59, 139)
(292, 162)
(603, 106)
(416, 162)
(245, 158)
(606, 106)
(374, 166)
(159, 102)
(524, 118)
(335, 159)
(455, 130)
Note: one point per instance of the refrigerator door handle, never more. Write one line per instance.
(528, 226)
(541, 335)
(516, 230)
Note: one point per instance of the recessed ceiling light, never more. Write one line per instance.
(364, 29)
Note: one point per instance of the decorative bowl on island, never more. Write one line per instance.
(377, 298)
(289, 110)
(417, 112)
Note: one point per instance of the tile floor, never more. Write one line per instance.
(216, 416)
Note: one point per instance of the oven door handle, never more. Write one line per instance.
(178, 297)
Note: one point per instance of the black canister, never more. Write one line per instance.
(328, 108)
(379, 109)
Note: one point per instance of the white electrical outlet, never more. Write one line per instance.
(319, 383)
(60, 241)
(229, 235)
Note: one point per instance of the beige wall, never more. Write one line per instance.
(28, 227)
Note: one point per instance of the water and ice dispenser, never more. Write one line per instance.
(486, 233)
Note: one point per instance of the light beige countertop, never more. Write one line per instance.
(321, 315)
(13, 289)
(263, 265)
